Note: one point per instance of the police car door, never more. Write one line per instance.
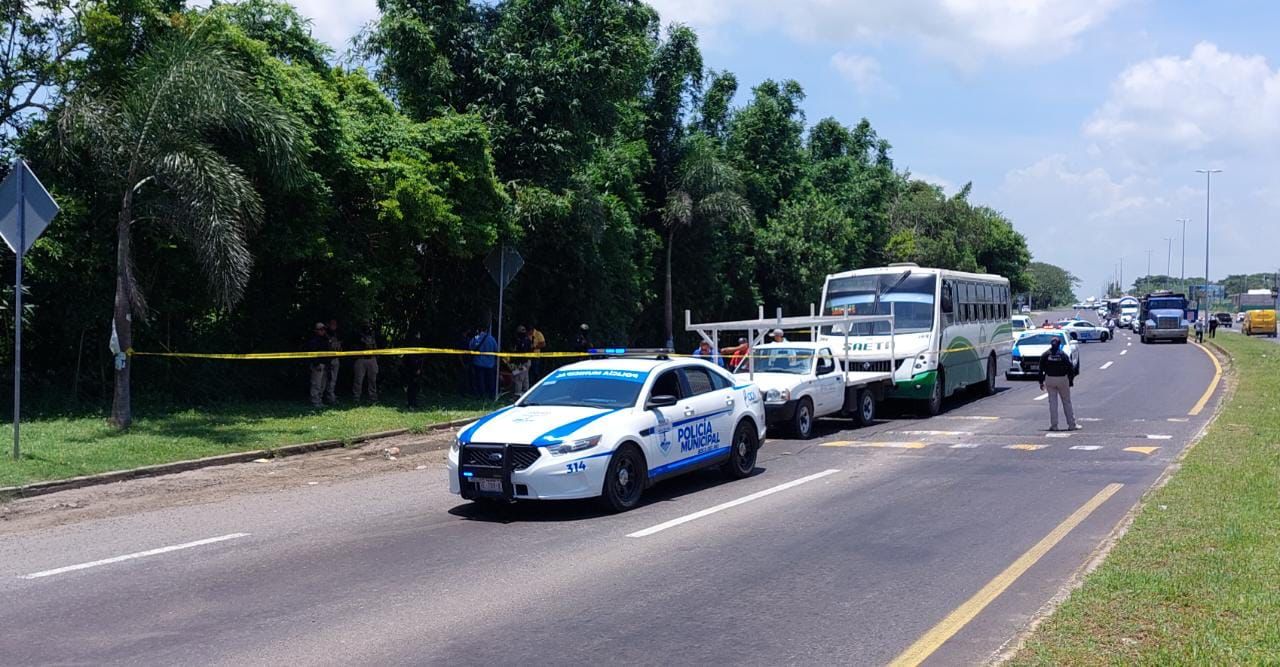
(706, 422)
(660, 438)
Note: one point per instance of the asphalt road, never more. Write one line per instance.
(881, 538)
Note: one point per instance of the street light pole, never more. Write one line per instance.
(1183, 279)
(1148, 265)
(1168, 259)
(1208, 173)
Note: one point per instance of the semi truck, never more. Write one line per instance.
(1163, 316)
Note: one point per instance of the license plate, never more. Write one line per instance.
(490, 485)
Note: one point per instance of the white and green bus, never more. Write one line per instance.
(952, 329)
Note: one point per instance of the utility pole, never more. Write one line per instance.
(1208, 173)
(1148, 266)
(1168, 260)
(1183, 278)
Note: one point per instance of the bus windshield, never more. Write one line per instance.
(912, 297)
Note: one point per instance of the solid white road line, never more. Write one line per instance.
(732, 503)
(1043, 396)
(1159, 437)
(1106, 366)
(966, 445)
(140, 554)
(1087, 448)
(1123, 352)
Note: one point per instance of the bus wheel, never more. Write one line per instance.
(934, 403)
(989, 389)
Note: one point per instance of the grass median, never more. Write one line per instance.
(1196, 579)
(83, 444)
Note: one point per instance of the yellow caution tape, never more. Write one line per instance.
(386, 352)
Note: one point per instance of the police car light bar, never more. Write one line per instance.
(660, 352)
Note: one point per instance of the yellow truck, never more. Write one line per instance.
(1259, 323)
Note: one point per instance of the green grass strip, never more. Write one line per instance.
(1196, 580)
(63, 447)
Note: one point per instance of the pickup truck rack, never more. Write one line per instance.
(862, 389)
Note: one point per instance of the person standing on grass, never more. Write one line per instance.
(538, 344)
(365, 368)
(1057, 376)
(413, 367)
(319, 367)
(1213, 327)
(331, 383)
(483, 364)
(520, 366)
(1199, 327)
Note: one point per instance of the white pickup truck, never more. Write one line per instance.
(803, 381)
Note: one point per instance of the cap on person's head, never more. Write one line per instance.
(776, 332)
(320, 325)
(584, 326)
(1055, 341)
(742, 339)
(704, 344)
(520, 329)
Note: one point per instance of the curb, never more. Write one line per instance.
(54, 486)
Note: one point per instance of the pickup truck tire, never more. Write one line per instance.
(864, 413)
(742, 455)
(802, 422)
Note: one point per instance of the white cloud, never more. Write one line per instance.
(862, 71)
(1211, 102)
(336, 22)
(964, 32)
(947, 186)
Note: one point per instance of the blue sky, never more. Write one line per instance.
(1082, 120)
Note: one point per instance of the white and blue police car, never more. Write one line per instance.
(608, 428)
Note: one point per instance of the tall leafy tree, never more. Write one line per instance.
(708, 192)
(40, 55)
(155, 141)
(765, 143)
(1051, 285)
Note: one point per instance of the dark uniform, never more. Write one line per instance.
(1057, 376)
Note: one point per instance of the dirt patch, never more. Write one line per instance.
(208, 485)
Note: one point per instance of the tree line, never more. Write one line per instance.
(224, 183)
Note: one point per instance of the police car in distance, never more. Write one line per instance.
(608, 428)
(1085, 331)
(1028, 348)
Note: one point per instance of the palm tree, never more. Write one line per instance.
(154, 141)
(708, 191)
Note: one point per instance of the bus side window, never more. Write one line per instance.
(948, 302)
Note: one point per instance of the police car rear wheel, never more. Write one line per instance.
(624, 480)
(742, 458)
(802, 423)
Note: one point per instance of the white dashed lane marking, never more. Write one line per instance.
(132, 556)
(1123, 352)
(1041, 397)
(732, 503)
(1087, 448)
(1106, 366)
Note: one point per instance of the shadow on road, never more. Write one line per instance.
(559, 511)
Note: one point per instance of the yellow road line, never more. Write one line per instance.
(956, 620)
(1142, 450)
(1026, 448)
(1217, 375)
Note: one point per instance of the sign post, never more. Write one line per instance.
(503, 263)
(26, 209)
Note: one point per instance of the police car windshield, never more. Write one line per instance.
(1038, 339)
(781, 360)
(911, 297)
(595, 388)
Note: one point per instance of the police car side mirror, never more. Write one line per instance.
(661, 401)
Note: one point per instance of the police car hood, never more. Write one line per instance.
(1032, 350)
(540, 425)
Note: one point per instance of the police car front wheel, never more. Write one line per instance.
(742, 459)
(624, 480)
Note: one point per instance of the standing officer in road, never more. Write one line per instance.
(1057, 376)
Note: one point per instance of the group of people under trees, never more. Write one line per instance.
(480, 353)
